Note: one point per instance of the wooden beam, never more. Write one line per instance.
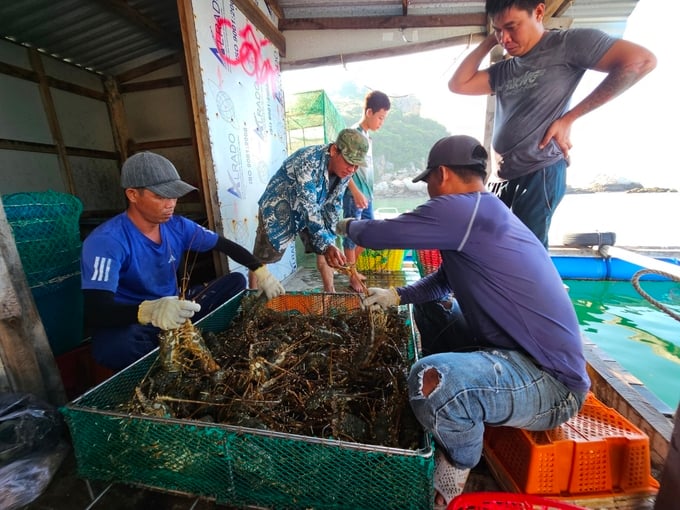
(404, 7)
(44, 148)
(91, 153)
(161, 83)
(117, 118)
(384, 22)
(159, 144)
(556, 7)
(201, 129)
(26, 74)
(561, 23)
(52, 120)
(251, 11)
(18, 72)
(404, 49)
(20, 145)
(147, 68)
(496, 55)
(273, 6)
(75, 89)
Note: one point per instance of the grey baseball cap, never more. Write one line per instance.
(153, 172)
(455, 151)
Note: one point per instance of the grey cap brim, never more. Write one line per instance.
(422, 175)
(172, 189)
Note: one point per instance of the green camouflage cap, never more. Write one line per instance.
(353, 146)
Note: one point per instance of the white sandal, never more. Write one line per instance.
(449, 481)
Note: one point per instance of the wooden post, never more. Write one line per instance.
(114, 103)
(52, 120)
(495, 56)
(27, 364)
(669, 492)
(201, 129)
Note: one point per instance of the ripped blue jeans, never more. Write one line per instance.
(488, 387)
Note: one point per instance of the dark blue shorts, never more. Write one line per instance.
(534, 197)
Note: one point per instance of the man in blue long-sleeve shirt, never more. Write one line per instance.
(507, 350)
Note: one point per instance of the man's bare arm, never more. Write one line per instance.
(625, 64)
(468, 78)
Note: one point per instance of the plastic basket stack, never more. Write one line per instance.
(380, 260)
(46, 232)
(428, 261)
(597, 453)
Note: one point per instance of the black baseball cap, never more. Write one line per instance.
(455, 151)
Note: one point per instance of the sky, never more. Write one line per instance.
(627, 139)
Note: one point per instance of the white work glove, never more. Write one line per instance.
(167, 312)
(268, 283)
(383, 298)
(341, 227)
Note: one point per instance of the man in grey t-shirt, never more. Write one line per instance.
(533, 91)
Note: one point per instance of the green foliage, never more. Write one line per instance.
(404, 141)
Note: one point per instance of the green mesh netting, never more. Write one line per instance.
(311, 118)
(47, 235)
(236, 465)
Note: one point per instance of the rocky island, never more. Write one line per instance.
(398, 185)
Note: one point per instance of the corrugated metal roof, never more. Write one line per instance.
(293, 9)
(101, 36)
(112, 36)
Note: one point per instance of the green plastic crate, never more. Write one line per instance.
(240, 466)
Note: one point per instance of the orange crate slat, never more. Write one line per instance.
(597, 452)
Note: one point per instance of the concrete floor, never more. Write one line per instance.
(307, 279)
(67, 491)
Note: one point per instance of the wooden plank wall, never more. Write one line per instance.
(73, 137)
(93, 123)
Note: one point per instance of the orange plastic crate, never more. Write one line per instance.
(598, 452)
(428, 261)
(506, 501)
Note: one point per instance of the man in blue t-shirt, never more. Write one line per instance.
(358, 199)
(507, 350)
(533, 90)
(130, 263)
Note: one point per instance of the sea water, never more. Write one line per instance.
(642, 338)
